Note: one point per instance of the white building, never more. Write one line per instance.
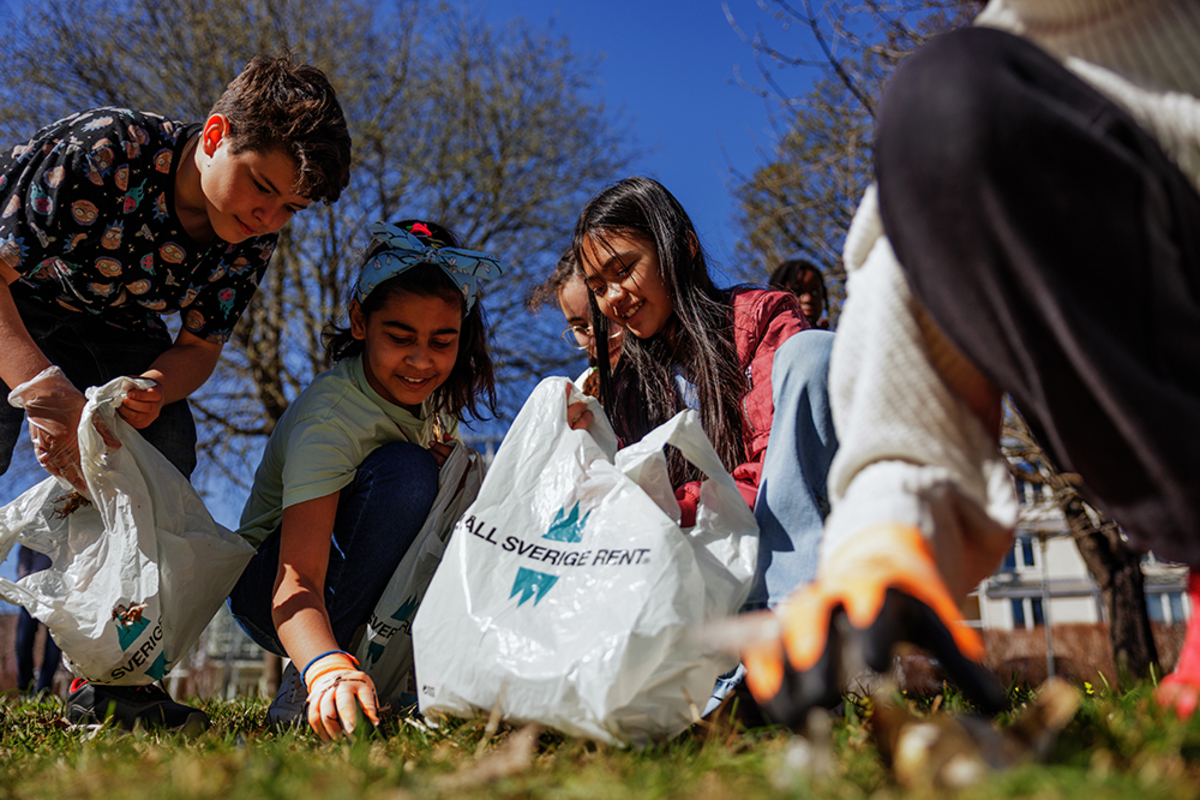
(1044, 570)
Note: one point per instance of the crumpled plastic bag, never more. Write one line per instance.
(569, 594)
(385, 650)
(138, 565)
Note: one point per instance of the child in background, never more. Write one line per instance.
(804, 279)
(351, 470)
(112, 219)
(743, 357)
(566, 286)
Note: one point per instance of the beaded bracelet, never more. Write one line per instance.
(304, 672)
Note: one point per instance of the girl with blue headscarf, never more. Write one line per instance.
(351, 470)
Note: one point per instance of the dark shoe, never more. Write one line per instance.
(131, 706)
(289, 709)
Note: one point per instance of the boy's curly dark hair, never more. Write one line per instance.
(277, 104)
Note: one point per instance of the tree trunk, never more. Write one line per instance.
(1117, 570)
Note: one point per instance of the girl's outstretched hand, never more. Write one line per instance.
(441, 450)
(578, 415)
(336, 689)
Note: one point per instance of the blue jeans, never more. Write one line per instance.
(91, 353)
(379, 515)
(793, 500)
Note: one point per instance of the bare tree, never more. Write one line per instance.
(1116, 567)
(801, 200)
(489, 131)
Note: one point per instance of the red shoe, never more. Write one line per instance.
(1180, 690)
(879, 589)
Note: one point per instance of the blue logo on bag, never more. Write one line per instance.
(566, 527)
(405, 611)
(529, 581)
(569, 527)
(130, 625)
(382, 632)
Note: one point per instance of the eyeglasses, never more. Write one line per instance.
(578, 337)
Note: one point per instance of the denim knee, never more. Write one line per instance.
(393, 489)
(803, 357)
(405, 465)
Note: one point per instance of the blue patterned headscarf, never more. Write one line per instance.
(403, 250)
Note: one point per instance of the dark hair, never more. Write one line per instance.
(786, 277)
(699, 338)
(473, 376)
(547, 291)
(276, 104)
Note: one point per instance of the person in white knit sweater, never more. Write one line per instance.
(1034, 230)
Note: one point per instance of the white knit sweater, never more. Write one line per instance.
(1144, 54)
(910, 450)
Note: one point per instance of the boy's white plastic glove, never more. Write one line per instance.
(53, 407)
(336, 688)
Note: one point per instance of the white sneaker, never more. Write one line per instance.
(288, 707)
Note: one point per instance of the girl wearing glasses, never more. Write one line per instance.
(566, 286)
(743, 357)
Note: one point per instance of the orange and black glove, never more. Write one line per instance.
(879, 589)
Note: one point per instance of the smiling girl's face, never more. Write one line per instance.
(410, 345)
(624, 275)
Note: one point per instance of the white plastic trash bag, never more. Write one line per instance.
(137, 572)
(385, 650)
(570, 596)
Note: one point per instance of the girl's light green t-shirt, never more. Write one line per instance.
(321, 439)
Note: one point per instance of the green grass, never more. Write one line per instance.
(1117, 746)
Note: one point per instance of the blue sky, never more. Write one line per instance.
(671, 67)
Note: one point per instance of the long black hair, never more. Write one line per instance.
(473, 378)
(697, 339)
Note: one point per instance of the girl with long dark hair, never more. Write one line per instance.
(743, 357)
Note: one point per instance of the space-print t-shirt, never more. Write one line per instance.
(87, 220)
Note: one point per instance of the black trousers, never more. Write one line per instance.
(1058, 246)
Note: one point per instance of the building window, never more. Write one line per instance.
(1021, 556)
(1166, 608)
(1154, 606)
(1026, 545)
(1175, 603)
(1029, 492)
(1027, 613)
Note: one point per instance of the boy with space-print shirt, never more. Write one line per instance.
(101, 185)
(112, 218)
